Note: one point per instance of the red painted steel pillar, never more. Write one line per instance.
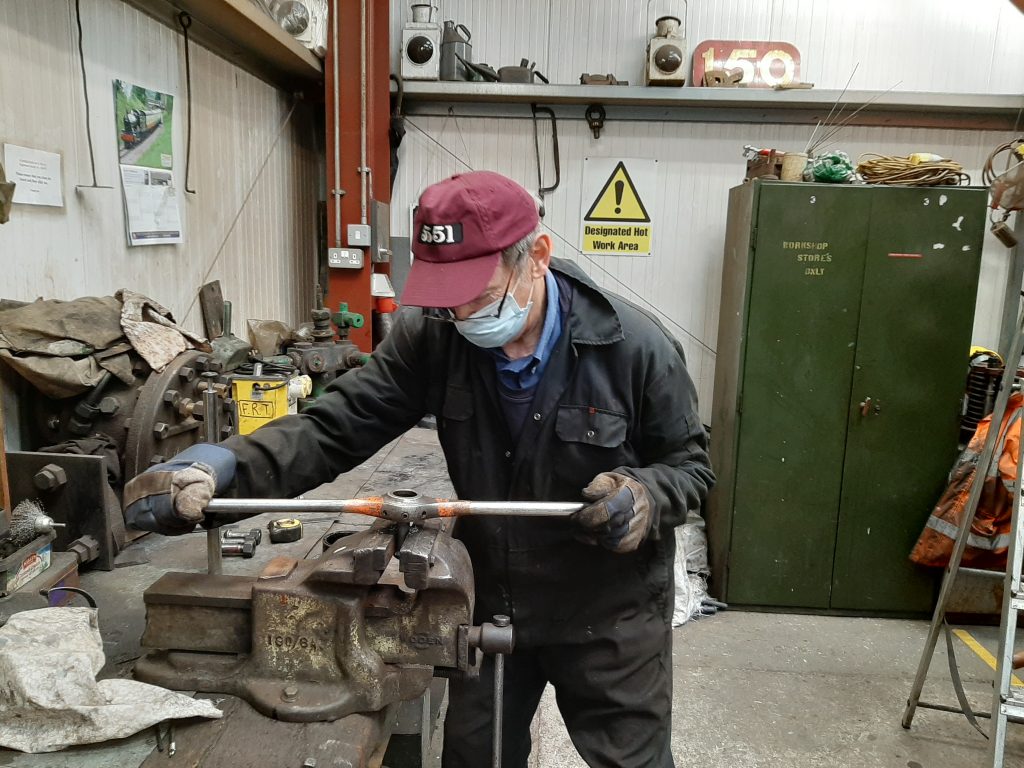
(343, 105)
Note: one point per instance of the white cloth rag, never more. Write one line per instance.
(49, 695)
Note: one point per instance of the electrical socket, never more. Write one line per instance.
(344, 258)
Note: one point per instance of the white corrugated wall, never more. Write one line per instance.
(264, 260)
(940, 49)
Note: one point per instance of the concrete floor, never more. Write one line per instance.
(752, 690)
(760, 690)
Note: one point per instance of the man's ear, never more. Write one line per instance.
(540, 255)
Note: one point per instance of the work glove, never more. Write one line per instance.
(620, 514)
(169, 498)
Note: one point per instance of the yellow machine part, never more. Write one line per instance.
(258, 401)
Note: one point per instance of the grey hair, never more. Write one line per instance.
(514, 257)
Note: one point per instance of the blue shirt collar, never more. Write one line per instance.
(549, 336)
(552, 325)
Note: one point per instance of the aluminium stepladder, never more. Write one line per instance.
(1006, 705)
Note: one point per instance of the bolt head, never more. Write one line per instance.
(187, 374)
(501, 620)
(290, 692)
(172, 397)
(109, 406)
(50, 477)
(160, 429)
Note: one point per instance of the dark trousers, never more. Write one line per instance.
(614, 693)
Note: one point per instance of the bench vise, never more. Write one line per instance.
(365, 626)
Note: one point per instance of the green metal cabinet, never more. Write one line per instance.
(844, 333)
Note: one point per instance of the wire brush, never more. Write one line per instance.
(886, 169)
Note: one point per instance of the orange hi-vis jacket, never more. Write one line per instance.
(989, 537)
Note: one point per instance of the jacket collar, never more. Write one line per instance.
(592, 318)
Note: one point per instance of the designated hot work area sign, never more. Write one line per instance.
(614, 215)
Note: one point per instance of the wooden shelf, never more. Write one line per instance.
(687, 104)
(244, 35)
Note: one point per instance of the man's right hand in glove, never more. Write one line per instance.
(169, 498)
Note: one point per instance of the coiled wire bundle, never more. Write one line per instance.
(911, 171)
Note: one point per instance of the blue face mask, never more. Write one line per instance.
(489, 330)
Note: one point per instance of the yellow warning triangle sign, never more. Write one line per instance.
(618, 200)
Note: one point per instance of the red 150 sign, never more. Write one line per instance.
(765, 64)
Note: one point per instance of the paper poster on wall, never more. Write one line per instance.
(36, 175)
(143, 119)
(615, 216)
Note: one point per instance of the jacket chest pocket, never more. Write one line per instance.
(591, 426)
(458, 403)
(590, 441)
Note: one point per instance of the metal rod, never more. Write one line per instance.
(500, 620)
(518, 508)
(336, 106)
(289, 506)
(211, 411)
(363, 34)
(214, 557)
(959, 711)
(954, 710)
(839, 98)
(835, 129)
(499, 698)
(1011, 293)
(227, 507)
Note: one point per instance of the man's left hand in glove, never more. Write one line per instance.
(169, 498)
(620, 515)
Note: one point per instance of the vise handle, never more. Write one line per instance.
(401, 506)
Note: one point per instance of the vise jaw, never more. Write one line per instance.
(363, 627)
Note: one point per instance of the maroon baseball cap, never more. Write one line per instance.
(461, 227)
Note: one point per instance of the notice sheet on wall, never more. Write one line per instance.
(36, 175)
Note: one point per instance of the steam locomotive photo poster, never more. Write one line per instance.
(143, 120)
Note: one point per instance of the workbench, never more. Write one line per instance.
(243, 738)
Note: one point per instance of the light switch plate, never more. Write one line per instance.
(359, 235)
(344, 258)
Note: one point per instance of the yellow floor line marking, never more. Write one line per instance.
(982, 654)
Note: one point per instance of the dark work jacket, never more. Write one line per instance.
(615, 396)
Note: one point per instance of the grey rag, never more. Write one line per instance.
(50, 698)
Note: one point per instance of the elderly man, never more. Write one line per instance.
(545, 388)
